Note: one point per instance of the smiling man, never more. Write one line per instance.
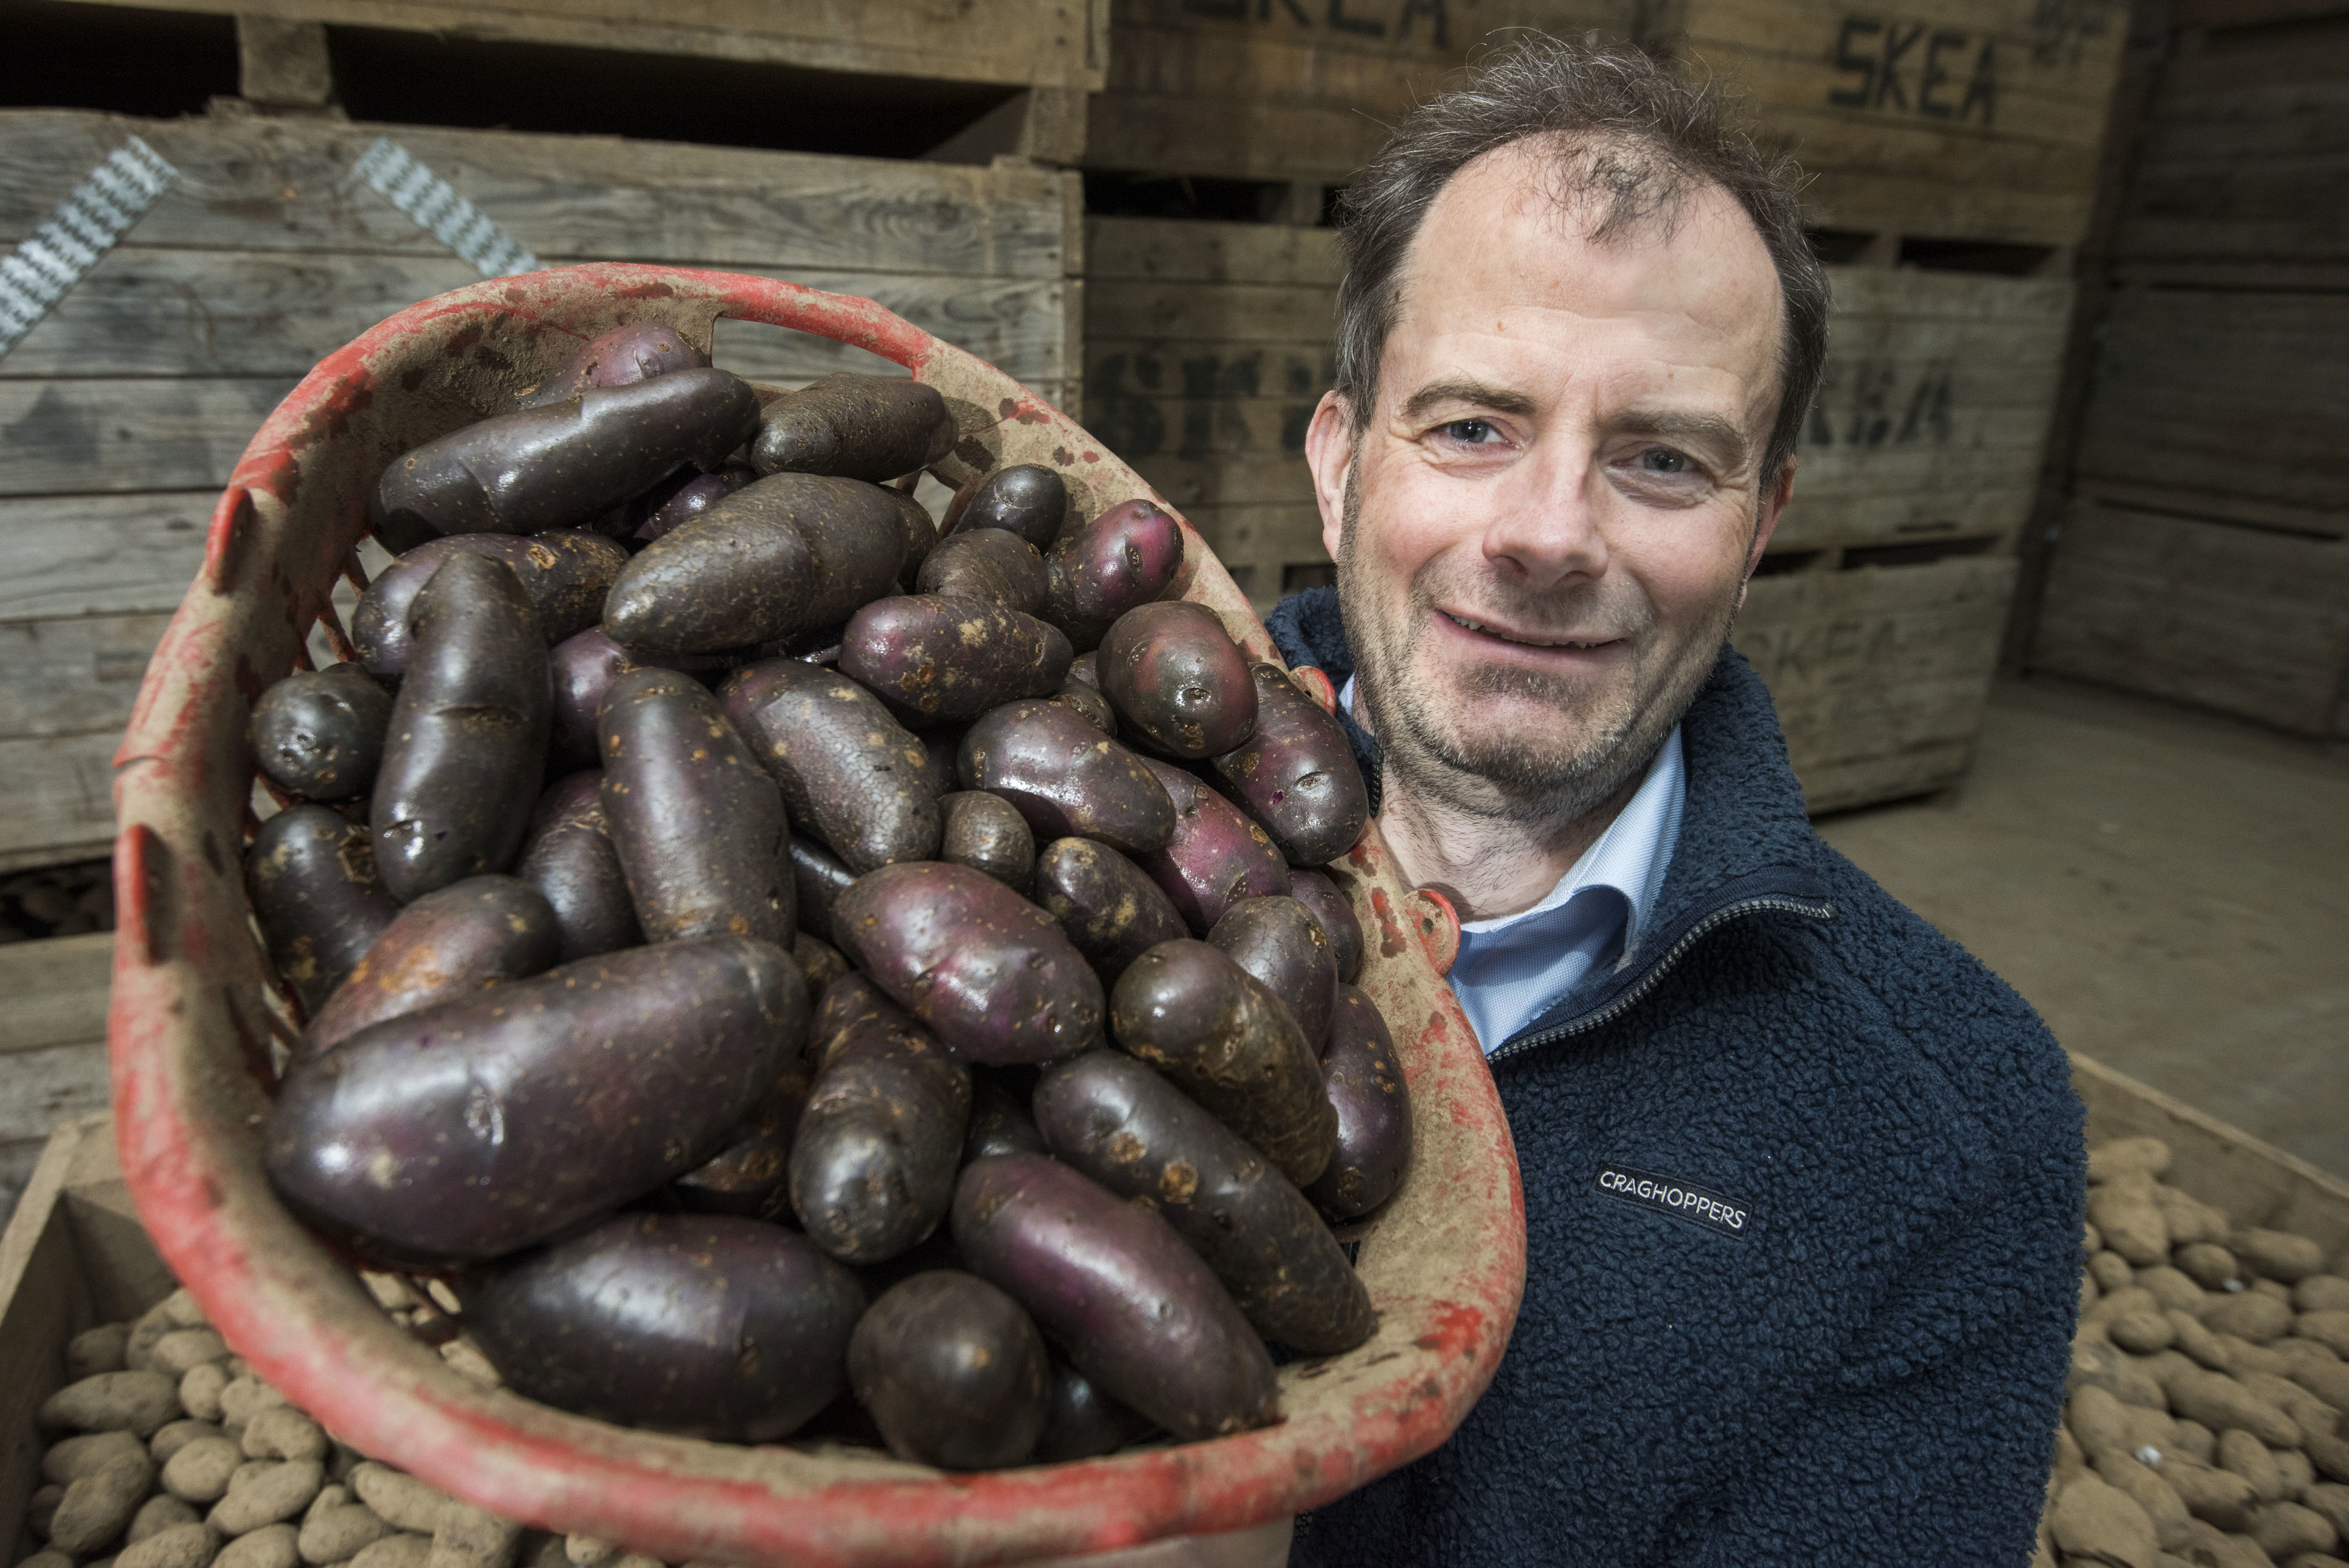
(1803, 1180)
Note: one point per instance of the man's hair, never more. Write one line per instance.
(1635, 140)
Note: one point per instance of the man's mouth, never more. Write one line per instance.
(1525, 639)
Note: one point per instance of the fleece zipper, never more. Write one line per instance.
(1631, 995)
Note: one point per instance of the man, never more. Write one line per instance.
(1803, 1180)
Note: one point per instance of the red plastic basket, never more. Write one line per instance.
(193, 1017)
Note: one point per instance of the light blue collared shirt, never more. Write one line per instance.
(1511, 968)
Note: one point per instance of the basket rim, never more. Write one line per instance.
(180, 1116)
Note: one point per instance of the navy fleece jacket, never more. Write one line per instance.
(1803, 1186)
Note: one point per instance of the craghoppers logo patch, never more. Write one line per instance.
(1714, 1211)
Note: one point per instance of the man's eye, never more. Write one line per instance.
(1470, 432)
(1664, 459)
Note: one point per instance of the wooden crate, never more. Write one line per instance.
(52, 1044)
(125, 408)
(2222, 403)
(2243, 165)
(1207, 346)
(1974, 119)
(72, 1256)
(2255, 1182)
(1931, 419)
(1300, 91)
(1880, 673)
(2245, 621)
(1050, 43)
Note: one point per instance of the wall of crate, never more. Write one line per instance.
(2205, 555)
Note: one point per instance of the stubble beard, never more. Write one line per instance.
(1605, 736)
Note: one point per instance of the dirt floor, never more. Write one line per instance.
(2169, 889)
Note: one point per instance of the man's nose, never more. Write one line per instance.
(1546, 519)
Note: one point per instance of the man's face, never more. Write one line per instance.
(1544, 531)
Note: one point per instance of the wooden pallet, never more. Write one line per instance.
(1059, 43)
(1977, 120)
(2242, 619)
(1880, 673)
(125, 408)
(1301, 90)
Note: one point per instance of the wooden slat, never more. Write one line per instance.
(75, 675)
(2235, 394)
(56, 799)
(132, 434)
(287, 185)
(1150, 250)
(44, 1300)
(96, 555)
(38, 1089)
(56, 992)
(1212, 312)
(1880, 675)
(151, 311)
(1057, 44)
(2237, 619)
(1880, 515)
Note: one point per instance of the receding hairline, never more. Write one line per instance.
(1566, 197)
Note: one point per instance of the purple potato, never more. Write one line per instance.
(449, 943)
(850, 774)
(986, 970)
(620, 357)
(1126, 557)
(1086, 701)
(1178, 680)
(461, 1133)
(1229, 1043)
(1319, 893)
(818, 880)
(566, 573)
(1216, 857)
(939, 747)
(1140, 1136)
(942, 660)
(698, 824)
(570, 859)
(751, 1175)
(1027, 500)
(986, 564)
(1111, 909)
(1277, 940)
(1373, 1100)
(565, 465)
(787, 555)
(310, 876)
(1000, 1122)
(1085, 1423)
(819, 961)
(953, 1372)
(1142, 1318)
(466, 748)
(1296, 775)
(680, 498)
(921, 533)
(1066, 777)
(581, 670)
(985, 833)
(856, 427)
(703, 1324)
(873, 1164)
(318, 733)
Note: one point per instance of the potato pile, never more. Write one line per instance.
(756, 948)
(2207, 1386)
(168, 1452)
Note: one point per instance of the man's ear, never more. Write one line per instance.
(1765, 522)
(1329, 454)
